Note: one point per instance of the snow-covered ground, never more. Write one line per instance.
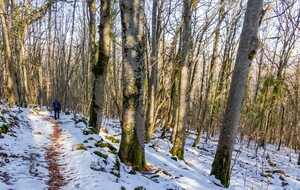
(23, 159)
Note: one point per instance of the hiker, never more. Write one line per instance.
(56, 107)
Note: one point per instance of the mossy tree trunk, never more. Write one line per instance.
(178, 147)
(248, 46)
(100, 68)
(132, 147)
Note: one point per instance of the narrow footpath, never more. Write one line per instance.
(56, 180)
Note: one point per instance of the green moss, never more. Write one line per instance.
(221, 166)
(83, 120)
(138, 158)
(4, 128)
(102, 144)
(117, 164)
(38, 133)
(104, 130)
(80, 147)
(98, 69)
(252, 54)
(2, 119)
(101, 154)
(179, 153)
(116, 168)
(112, 139)
(123, 188)
(89, 131)
(4, 111)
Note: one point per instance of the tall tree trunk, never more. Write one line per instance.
(153, 84)
(178, 147)
(248, 46)
(92, 51)
(132, 147)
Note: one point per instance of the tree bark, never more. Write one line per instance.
(132, 147)
(248, 46)
(178, 147)
(100, 69)
(153, 84)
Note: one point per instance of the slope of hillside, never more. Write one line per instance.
(37, 152)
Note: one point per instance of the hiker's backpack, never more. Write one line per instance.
(56, 105)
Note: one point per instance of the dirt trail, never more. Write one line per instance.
(53, 155)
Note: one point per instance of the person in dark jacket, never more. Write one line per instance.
(56, 107)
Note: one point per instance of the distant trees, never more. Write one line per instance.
(170, 63)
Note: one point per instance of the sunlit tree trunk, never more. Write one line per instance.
(248, 46)
(152, 86)
(178, 147)
(132, 147)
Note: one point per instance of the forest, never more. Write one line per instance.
(222, 71)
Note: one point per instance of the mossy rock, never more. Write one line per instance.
(80, 147)
(97, 144)
(85, 132)
(83, 120)
(123, 188)
(91, 138)
(112, 139)
(101, 154)
(107, 145)
(4, 128)
(116, 168)
(86, 141)
(67, 113)
(112, 151)
(38, 133)
(2, 119)
(12, 135)
(93, 130)
(104, 130)
(140, 188)
(4, 111)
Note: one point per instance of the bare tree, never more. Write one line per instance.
(132, 147)
(178, 147)
(248, 46)
(100, 68)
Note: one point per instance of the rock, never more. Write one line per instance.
(3, 154)
(79, 147)
(112, 139)
(101, 154)
(283, 184)
(38, 133)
